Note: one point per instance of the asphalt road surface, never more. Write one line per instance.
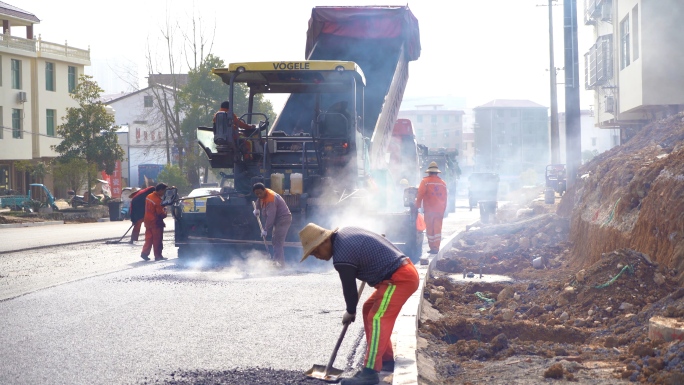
(155, 322)
(92, 313)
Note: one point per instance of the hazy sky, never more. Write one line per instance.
(479, 50)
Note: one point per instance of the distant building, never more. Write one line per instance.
(634, 67)
(594, 139)
(435, 127)
(35, 82)
(511, 136)
(143, 135)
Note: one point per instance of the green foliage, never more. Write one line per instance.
(588, 155)
(72, 174)
(89, 132)
(37, 170)
(173, 176)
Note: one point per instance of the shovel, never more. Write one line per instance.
(326, 372)
(122, 237)
(262, 230)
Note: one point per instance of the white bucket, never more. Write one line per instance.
(296, 184)
(277, 182)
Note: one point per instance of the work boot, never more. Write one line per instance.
(364, 376)
(160, 258)
(145, 257)
(388, 366)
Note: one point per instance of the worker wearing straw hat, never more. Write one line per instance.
(360, 254)
(432, 195)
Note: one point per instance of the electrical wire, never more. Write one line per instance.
(13, 130)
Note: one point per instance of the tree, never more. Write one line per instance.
(73, 173)
(173, 176)
(89, 132)
(37, 170)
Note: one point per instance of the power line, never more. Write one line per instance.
(13, 130)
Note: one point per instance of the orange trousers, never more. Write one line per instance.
(154, 235)
(136, 230)
(380, 311)
(433, 228)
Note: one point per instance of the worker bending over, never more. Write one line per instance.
(278, 218)
(432, 194)
(361, 254)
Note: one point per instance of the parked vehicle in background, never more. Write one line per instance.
(28, 202)
(199, 204)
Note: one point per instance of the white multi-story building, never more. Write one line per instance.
(36, 77)
(635, 67)
(436, 127)
(144, 135)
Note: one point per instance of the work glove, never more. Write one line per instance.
(256, 212)
(264, 233)
(348, 318)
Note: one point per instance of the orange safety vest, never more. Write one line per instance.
(432, 193)
(153, 209)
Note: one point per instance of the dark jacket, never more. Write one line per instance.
(138, 203)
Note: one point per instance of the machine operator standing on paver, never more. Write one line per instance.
(278, 218)
(361, 254)
(432, 195)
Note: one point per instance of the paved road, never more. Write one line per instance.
(93, 313)
(22, 238)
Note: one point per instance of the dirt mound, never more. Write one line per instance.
(557, 314)
(632, 197)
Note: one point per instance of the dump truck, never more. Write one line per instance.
(328, 151)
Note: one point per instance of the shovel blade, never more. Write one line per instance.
(318, 372)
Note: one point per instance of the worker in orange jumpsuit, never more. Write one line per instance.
(154, 224)
(357, 253)
(137, 210)
(237, 125)
(432, 195)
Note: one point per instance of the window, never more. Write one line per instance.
(419, 118)
(16, 74)
(635, 32)
(72, 79)
(514, 113)
(446, 118)
(624, 42)
(500, 113)
(16, 124)
(49, 76)
(433, 119)
(147, 100)
(50, 122)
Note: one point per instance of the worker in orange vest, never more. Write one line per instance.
(154, 224)
(432, 195)
(241, 130)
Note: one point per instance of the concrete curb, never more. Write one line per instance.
(31, 224)
(406, 327)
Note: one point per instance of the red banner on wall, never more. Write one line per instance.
(114, 180)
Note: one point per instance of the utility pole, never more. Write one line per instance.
(555, 135)
(573, 128)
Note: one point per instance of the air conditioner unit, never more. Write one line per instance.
(21, 97)
(609, 105)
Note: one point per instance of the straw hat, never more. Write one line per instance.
(311, 236)
(433, 167)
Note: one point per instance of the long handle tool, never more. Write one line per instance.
(327, 373)
(122, 237)
(262, 231)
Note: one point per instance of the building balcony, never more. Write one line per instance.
(43, 48)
